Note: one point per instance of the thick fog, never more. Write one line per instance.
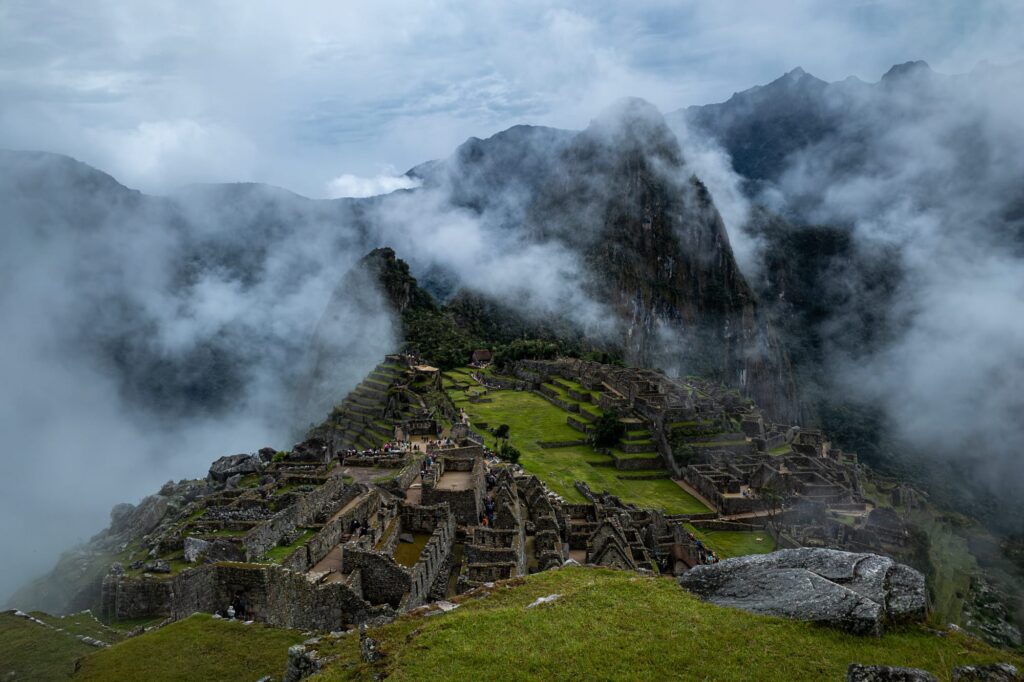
(931, 168)
(147, 336)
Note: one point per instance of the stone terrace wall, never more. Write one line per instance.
(433, 560)
(384, 581)
(306, 509)
(465, 505)
(276, 595)
(638, 463)
(423, 519)
(125, 598)
(330, 535)
(404, 478)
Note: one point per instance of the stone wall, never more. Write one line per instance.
(636, 463)
(465, 504)
(578, 424)
(549, 444)
(305, 511)
(418, 518)
(125, 598)
(433, 562)
(276, 596)
(383, 580)
(404, 478)
(305, 557)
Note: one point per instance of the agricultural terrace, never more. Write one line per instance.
(533, 419)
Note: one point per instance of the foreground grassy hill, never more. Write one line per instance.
(620, 625)
(604, 625)
(198, 648)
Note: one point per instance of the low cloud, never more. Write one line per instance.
(353, 186)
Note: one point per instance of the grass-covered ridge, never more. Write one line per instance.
(35, 652)
(198, 648)
(613, 625)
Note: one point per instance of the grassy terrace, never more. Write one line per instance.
(730, 543)
(615, 625)
(33, 652)
(281, 552)
(197, 648)
(532, 418)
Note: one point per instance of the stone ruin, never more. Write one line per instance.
(375, 514)
(724, 449)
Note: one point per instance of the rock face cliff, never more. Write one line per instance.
(657, 253)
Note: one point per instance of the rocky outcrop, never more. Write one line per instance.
(996, 672)
(231, 465)
(656, 252)
(859, 593)
(886, 673)
(302, 663)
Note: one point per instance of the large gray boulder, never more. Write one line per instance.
(229, 465)
(859, 593)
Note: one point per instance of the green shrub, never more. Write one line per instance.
(508, 452)
(607, 430)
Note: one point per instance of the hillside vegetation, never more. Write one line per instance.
(624, 626)
(198, 648)
(532, 419)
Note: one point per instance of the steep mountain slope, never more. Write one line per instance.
(657, 253)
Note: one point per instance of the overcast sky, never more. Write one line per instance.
(323, 97)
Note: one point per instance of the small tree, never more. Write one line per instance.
(508, 452)
(606, 430)
(501, 432)
(774, 499)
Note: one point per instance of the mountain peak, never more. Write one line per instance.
(912, 69)
(632, 124)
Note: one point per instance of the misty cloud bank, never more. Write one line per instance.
(928, 169)
(149, 335)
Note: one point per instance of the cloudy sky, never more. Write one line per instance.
(332, 98)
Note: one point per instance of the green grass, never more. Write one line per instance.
(532, 418)
(719, 444)
(730, 543)
(281, 552)
(632, 455)
(129, 624)
(197, 648)
(953, 564)
(34, 652)
(612, 625)
(83, 623)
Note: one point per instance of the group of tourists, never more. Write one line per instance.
(389, 448)
(441, 444)
(487, 518)
(705, 554)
